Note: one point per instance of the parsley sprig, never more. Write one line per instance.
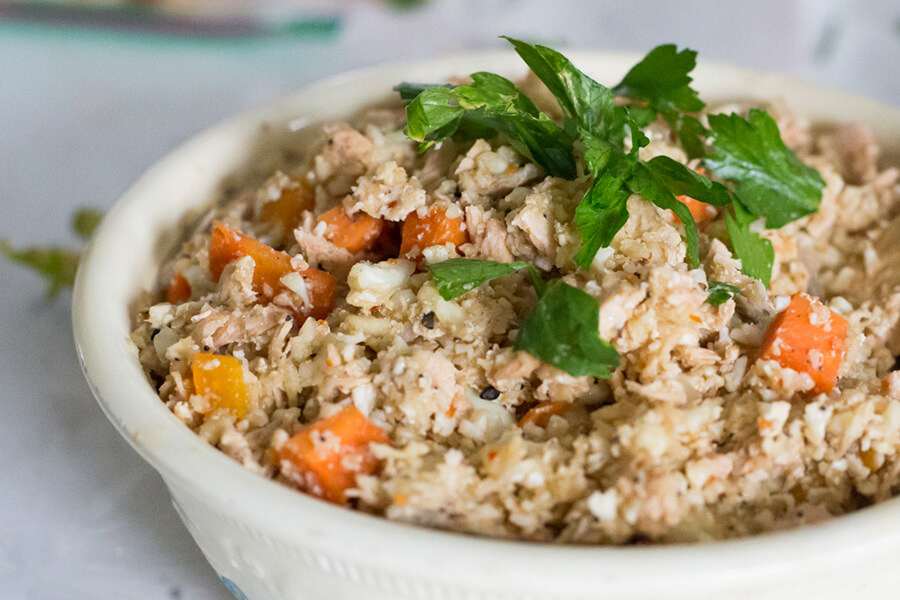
(563, 329)
(55, 264)
(719, 292)
(763, 178)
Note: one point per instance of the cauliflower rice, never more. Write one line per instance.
(692, 438)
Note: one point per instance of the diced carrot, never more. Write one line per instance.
(434, 229)
(540, 414)
(287, 209)
(328, 454)
(701, 211)
(320, 287)
(809, 338)
(179, 291)
(227, 245)
(352, 234)
(220, 379)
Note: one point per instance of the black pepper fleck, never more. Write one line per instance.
(489, 393)
(428, 320)
(205, 348)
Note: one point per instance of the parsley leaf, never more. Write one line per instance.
(756, 253)
(456, 276)
(681, 180)
(771, 181)
(584, 101)
(433, 115)
(564, 331)
(662, 80)
(409, 91)
(491, 103)
(56, 265)
(600, 215)
(646, 183)
(719, 292)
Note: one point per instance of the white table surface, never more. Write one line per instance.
(82, 114)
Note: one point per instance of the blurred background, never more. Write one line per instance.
(92, 93)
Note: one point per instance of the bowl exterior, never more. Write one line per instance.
(270, 543)
(256, 565)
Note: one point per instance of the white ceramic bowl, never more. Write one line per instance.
(274, 543)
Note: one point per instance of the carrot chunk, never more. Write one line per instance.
(287, 209)
(320, 287)
(328, 454)
(540, 414)
(179, 291)
(352, 234)
(434, 229)
(220, 379)
(227, 245)
(809, 338)
(701, 211)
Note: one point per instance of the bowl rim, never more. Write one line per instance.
(114, 374)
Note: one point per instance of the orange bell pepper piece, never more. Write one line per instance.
(220, 379)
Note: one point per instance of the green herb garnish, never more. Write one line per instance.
(767, 178)
(457, 276)
(564, 331)
(756, 253)
(719, 292)
(662, 80)
(55, 264)
(601, 213)
(771, 181)
(491, 103)
(564, 328)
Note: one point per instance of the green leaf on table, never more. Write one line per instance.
(564, 331)
(771, 181)
(719, 292)
(57, 265)
(457, 276)
(85, 221)
(756, 253)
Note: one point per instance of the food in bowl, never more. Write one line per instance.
(581, 314)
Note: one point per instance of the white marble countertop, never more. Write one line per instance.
(83, 113)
